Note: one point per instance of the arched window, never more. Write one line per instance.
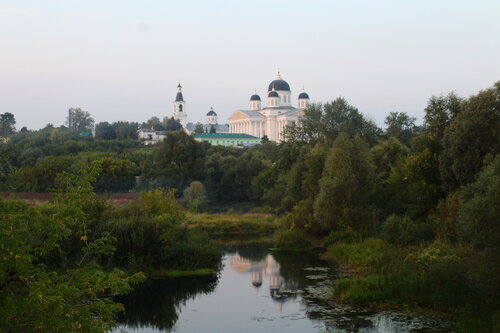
(180, 107)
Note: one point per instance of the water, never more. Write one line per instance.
(258, 291)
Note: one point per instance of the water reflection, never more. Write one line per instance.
(267, 272)
(256, 290)
(157, 303)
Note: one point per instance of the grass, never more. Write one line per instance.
(176, 273)
(430, 276)
(232, 223)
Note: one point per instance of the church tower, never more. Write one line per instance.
(179, 107)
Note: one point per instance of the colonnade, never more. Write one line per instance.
(255, 128)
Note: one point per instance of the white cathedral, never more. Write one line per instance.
(257, 121)
(272, 119)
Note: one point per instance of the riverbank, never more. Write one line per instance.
(432, 277)
(227, 224)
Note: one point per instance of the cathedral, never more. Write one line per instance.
(272, 119)
(257, 121)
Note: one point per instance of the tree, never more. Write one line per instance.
(471, 139)
(195, 196)
(212, 129)
(178, 160)
(7, 124)
(479, 216)
(326, 122)
(415, 184)
(105, 131)
(198, 129)
(401, 126)
(439, 112)
(345, 187)
(79, 120)
(66, 298)
(126, 130)
(154, 123)
(171, 124)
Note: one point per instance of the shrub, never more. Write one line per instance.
(293, 239)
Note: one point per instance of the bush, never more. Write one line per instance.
(403, 230)
(293, 239)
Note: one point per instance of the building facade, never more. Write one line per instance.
(272, 119)
(228, 139)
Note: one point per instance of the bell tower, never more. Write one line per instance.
(179, 107)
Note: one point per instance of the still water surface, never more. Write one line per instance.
(257, 291)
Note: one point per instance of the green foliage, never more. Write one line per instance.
(439, 112)
(117, 175)
(171, 124)
(414, 182)
(401, 126)
(7, 124)
(326, 122)
(292, 239)
(79, 121)
(403, 230)
(153, 235)
(64, 298)
(178, 160)
(345, 187)
(479, 216)
(229, 224)
(472, 139)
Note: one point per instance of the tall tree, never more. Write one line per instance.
(401, 126)
(154, 123)
(105, 131)
(7, 124)
(439, 112)
(345, 187)
(126, 130)
(198, 128)
(171, 124)
(178, 160)
(326, 122)
(472, 136)
(79, 120)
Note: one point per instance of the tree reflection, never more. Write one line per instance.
(156, 303)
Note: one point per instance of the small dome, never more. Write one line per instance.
(303, 95)
(273, 94)
(255, 97)
(211, 112)
(278, 84)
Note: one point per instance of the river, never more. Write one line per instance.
(257, 290)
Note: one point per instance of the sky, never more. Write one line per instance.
(122, 59)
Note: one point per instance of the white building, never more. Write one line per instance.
(149, 136)
(179, 107)
(272, 119)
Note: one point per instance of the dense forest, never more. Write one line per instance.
(414, 208)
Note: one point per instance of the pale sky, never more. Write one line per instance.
(122, 60)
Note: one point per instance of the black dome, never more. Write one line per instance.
(303, 95)
(211, 113)
(278, 84)
(178, 97)
(255, 97)
(273, 94)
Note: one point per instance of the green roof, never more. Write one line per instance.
(225, 136)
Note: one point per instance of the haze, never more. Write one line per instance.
(122, 60)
